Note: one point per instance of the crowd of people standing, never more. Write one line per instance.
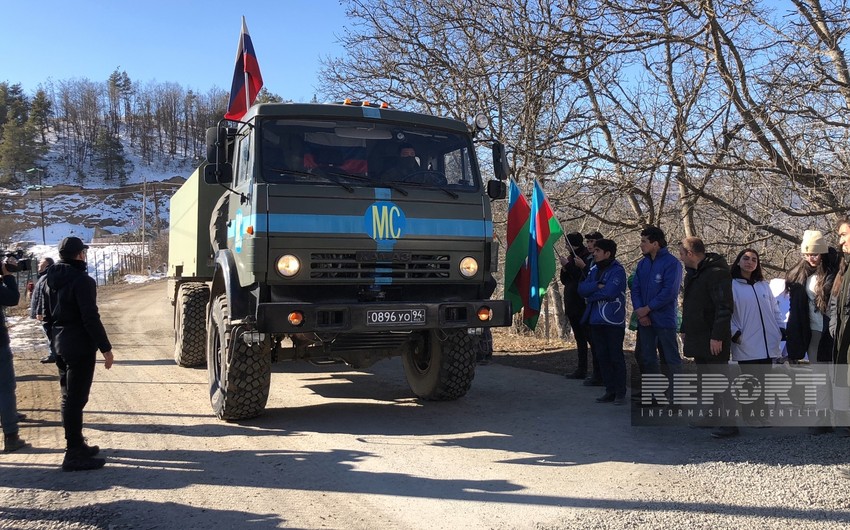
(722, 315)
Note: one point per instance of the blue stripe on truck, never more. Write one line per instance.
(353, 224)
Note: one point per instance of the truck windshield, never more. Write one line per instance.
(361, 153)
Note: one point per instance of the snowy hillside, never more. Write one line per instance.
(98, 207)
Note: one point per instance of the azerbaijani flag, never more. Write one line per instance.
(544, 232)
(516, 253)
(247, 80)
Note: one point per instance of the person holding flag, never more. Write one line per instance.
(573, 271)
(605, 292)
(247, 80)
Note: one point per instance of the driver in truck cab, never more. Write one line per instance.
(408, 169)
(408, 157)
(405, 164)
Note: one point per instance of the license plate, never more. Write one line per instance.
(395, 317)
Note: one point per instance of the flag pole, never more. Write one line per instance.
(247, 93)
(572, 250)
(247, 86)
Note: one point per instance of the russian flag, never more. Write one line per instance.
(247, 80)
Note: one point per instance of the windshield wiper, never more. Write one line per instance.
(331, 176)
(334, 177)
(361, 178)
(450, 193)
(393, 186)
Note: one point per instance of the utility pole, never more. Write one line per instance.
(40, 200)
(156, 209)
(144, 210)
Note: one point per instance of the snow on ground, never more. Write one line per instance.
(26, 333)
(138, 278)
(104, 261)
(56, 231)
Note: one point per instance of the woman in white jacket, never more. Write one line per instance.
(756, 325)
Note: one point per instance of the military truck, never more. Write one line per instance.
(331, 233)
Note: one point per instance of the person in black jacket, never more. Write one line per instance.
(573, 271)
(809, 284)
(809, 287)
(839, 318)
(9, 296)
(77, 332)
(706, 319)
(37, 306)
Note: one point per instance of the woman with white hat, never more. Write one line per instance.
(809, 284)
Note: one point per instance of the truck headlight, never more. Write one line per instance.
(468, 267)
(288, 266)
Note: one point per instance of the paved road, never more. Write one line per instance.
(338, 448)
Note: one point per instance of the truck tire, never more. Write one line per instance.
(441, 369)
(190, 330)
(240, 373)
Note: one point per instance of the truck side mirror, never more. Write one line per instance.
(218, 173)
(216, 140)
(500, 161)
(219, 147)
(496, 189)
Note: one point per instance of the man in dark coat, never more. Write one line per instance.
(573, 271)
(37, 306)
(706, 317)
(72, 316)
(839, 326)
(590, 239)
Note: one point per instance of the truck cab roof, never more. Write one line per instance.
(359, 111)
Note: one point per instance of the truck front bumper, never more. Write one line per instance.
(274, 317)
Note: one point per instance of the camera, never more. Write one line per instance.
(21, 264)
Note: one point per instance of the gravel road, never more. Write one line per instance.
(339, 448)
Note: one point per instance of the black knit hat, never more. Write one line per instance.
(575, 239)
(71, 246)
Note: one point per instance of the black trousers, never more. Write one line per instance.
(581, 332)
(75, 379)
(756, 369)
(723, 401)
(608, 350)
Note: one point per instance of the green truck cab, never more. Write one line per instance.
(334, 233)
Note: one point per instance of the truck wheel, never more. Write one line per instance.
(190, 330)
(240, 373)
(441, 370)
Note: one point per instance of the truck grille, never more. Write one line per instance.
(346, 266)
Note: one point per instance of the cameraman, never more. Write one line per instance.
(9, 296)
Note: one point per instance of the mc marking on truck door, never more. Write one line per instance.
(384, 220)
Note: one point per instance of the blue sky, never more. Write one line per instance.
(190, 42)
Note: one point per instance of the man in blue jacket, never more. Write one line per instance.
(604, 289)
(655, 294)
